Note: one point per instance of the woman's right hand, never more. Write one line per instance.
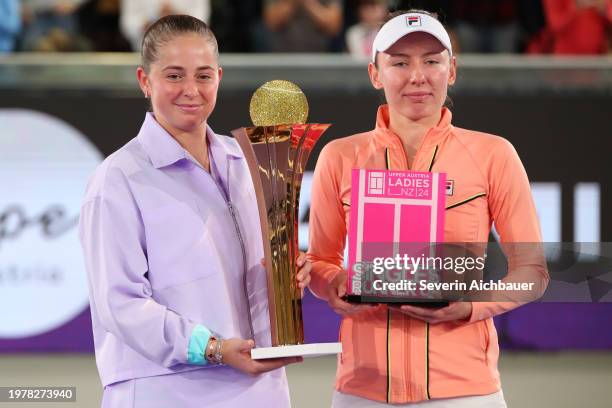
(336, 290)
(237, 354)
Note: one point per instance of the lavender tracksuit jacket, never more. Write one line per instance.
(171, 249)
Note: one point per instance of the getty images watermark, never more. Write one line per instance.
(553, 272)
(37, 394)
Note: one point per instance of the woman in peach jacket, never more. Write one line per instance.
(398, 355)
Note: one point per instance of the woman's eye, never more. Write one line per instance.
(399, 64)
(173, 76)
(204, 77)
(431, 62)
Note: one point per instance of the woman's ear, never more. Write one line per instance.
(452, 72)
(143, 81)
(374, 74)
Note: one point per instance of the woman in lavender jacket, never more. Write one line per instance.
(173, 249)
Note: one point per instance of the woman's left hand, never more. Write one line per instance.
(454, 311)
(303, 274)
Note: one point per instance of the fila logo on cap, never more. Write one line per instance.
(413, 21)
(405, 24)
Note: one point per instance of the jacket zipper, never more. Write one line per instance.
(388, 356)
(427, 360)
(388, 166)
(233, 212)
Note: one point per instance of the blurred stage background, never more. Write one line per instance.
(61, 114)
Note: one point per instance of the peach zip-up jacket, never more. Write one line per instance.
(386, 355)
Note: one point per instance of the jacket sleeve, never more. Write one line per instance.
(516, 221)
(112, 237)
(327, 228)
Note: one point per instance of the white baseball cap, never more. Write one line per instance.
(404, 24)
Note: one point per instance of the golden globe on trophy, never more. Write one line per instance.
(276, 149)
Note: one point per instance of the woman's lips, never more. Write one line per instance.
(417, 96)
(189, 108)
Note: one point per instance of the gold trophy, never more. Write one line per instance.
(276, 150)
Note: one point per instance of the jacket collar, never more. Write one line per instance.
(164, 150)
(434, 136)
(223, 145)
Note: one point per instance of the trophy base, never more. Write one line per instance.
(304, 350)
(364, 299)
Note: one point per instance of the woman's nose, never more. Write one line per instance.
(417, 74)
(190, 88)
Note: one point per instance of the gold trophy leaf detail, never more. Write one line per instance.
(278, 102)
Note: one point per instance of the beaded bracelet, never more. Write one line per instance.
(213, 351)
(218, 355)
(210, 349)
